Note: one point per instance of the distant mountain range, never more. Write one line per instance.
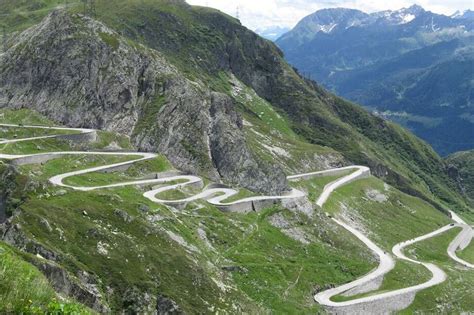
(411, 65)
(272, 32)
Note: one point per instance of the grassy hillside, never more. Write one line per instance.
(270, 261)
(19, 15)
(468, 253)
(454, 295)
(214, 49)
(142, 255)
(228, 260)
(24, 289)
(390, 217)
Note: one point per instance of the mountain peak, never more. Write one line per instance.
(456, 14)
(414, 9)
(327, 20)
(466, 14)
(402, 16)
(335, 14)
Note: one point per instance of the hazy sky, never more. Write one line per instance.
(264, 13)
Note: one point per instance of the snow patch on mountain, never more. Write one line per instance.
(466, 14)
(402, 16)
(456, 15)
(408, 18)
(327, 28)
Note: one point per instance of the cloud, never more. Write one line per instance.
(257, 14)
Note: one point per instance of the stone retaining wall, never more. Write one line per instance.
(335, 172)
(163, 174)
(248, 206)
(80, 137)
(371, 285)
(382, 306)
(35, 159)
(120, 168)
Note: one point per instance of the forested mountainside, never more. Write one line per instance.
(412, 66)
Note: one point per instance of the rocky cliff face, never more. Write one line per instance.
(461, 169)
(11, 191)
(227, 139)
(62, 68)
(78, 72)
(3, 208)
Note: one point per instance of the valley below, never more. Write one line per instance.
(412, 66)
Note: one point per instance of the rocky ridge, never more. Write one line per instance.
(78, 72)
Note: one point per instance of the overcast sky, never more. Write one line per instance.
(264, 13)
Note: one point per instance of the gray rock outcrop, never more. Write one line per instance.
(79, 72)
(230, 153)
(84, 288)
(3, 208)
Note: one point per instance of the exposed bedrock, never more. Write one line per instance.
(3, 207)
(84, 288)
(231, 155)
(372, 285)
(80, 73)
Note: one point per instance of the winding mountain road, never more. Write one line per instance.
(461, 241)
(214, 196)
(386, 262)
(78, 130)
(217, 196)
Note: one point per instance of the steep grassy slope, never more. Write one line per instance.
(454, 295)
(467, 254)
(378, 207)
(109, 227)
(24, 289)
(141, 256)
(18, 15)
(163, 58)
(244, 263)
(390, 217)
